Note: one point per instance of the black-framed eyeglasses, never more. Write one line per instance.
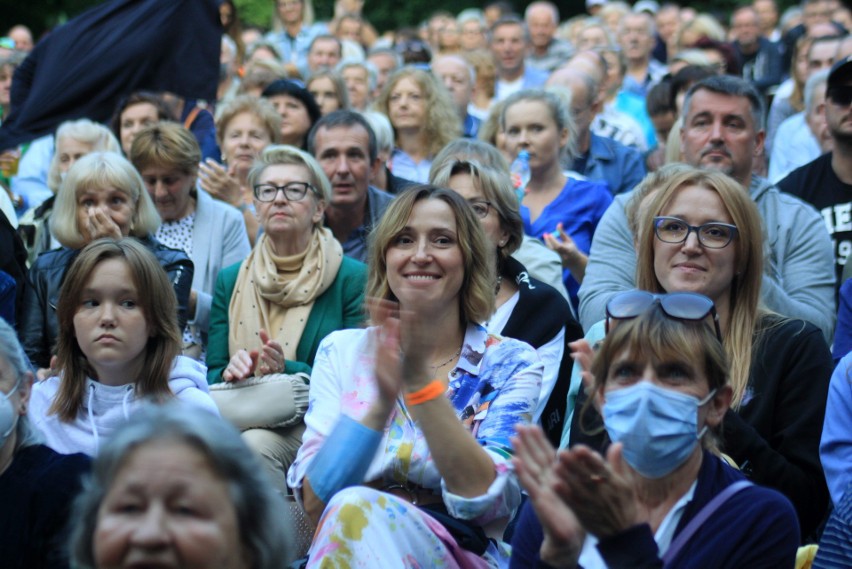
(689, 306)
(711, 235)
(480, 208)
(294, 191)
(840, 95)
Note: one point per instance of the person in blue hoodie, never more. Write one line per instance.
(119, 344)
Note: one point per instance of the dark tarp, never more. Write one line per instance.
(84, 67)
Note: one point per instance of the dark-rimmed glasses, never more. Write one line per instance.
(689, 306)
(711, 235)
(294, 191)
(480, 207)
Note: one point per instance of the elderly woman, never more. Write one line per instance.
(298, 109)
(271, 311)
(177, 487)
(37, 484)
(244, 127)
(74, 139)
(409, 421)
(210, 232)
(662, 496)
(525, 308)
(102, 196)
(423, 118)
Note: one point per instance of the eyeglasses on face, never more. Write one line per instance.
(710, 235)
(480, 208)
(688, 306)
(294, 191)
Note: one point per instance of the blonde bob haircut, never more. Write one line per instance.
(490, 174)
(660, 339)
(741, 331)
(442, 124)
(95, 171)
(157, 300)
(166, 145)
(276, 154)
(88, 132)
(260, 108)
(476, 297)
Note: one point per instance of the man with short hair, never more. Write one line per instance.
(345, 147)
(759, 57)
(23, 38)
(597, 157)
(723, 130)
(767, 19)
(459, 77)
(637, 39)
(325, 52)
(803, 135)
(667, 22)
(547, 52)
(386, 61)
(826, 183)
(360, 79)
(508, 42)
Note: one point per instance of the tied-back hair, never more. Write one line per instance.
(99, 170)
(442, 124)
(157, 301)
(490, 175)
(264, 527)
(743, 320)
(661, 338)
(87, 132)
(13, 353)
(476, 297)
(164, 110)
(558, 103)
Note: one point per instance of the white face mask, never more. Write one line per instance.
(8, 415)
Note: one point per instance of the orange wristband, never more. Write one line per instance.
(432, 391)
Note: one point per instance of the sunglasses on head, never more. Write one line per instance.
(689, 306)
(840, 95)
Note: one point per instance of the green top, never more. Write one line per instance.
(338, 308)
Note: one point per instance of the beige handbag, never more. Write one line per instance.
(266, 402)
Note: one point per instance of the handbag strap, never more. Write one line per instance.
(695, 524)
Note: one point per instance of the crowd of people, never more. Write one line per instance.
(223, 320)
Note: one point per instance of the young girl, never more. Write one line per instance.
(118, 345)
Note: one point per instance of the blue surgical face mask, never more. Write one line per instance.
(658, 427)
(8, 415)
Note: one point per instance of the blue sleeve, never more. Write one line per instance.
(527, 539)
(835, 448)
(843, 330)
(835, 547)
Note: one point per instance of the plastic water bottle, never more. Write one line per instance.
(520, 171)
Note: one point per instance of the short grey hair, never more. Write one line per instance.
(382, 128)
(26, 434)
(261, 519)
(815, 83)
(733, 87)
(284, 154)
(372, 72)
(85, 131)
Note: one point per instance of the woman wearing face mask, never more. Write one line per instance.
(37, 484)
(698, 231)
(662, 497)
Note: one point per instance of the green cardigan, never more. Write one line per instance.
(338, 308)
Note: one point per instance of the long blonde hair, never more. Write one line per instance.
(739, 337)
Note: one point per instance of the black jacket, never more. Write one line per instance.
(39, 327)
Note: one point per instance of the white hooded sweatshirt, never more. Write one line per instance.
(107, 407)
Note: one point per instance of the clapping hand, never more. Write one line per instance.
(268, 359)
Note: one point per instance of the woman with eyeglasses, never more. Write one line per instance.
(698, 231)
(662, 497)
(271, 311)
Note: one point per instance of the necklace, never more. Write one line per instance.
(499, 282)
(452, 357)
